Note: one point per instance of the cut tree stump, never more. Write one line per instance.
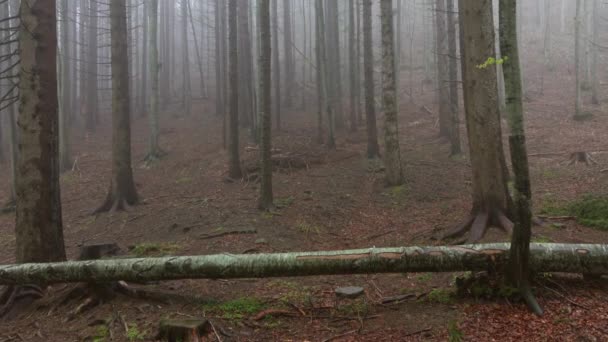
(581, 157)
(186, 330)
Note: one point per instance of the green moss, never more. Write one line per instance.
(356, 308)
(133, 333)
(425, 277)
(101, 334)
(440, 296)
(153, 249)
(235, 309)
(590, 211)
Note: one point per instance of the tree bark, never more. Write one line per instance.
(520, 243)
(567, 258)
(320, 70)
(442, 69)
(352, 65)
(288, 46)
(373, 151)
(595, 83)
(186, 87)
(38, 229)
(392, 156)
(265, 105)
(65, 155)
(122, 192)
(92, 115)
(276, 65)
(154, 150)
(577, 58)
(491, 201)
(453, 79)
(234, 163)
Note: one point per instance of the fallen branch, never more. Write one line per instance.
(272, 312)
(232, 232)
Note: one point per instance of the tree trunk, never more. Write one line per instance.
(276, 65)
(392, 156)
(373, 151)
(520, 243)
(38, 229)
(595, 84)
(453, 79)
(92, 115)
(234, 164)
(219, 82)
(491, 201)
(144, 87)
(154, 150)
(246, 107)
(442, 69)
(122, 192)
(265, 105)
(568, 258)
(352, 65)
(329, 75)
(288, 46)
(577, 58)
(320, 71)
(12, 99)
(186, 87)
(65, 156)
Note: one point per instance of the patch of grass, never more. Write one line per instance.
(356, 308)
(101, 334)
(156, 249)
(454, 333)
(590, 211)
(308, 228)
(541, 239)
(440, 296)
(235, 309)
(133, 333)
(424, 277)
(549, 174)
(183, 180)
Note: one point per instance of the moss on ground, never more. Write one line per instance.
(590, 211)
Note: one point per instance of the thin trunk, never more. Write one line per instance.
(234, 164)
(265, 105)
(186, 87)
(199, 60)
(92, 115)
(577, 53)
(288, 46)
(276, 65)
(392, 156)
(595, 54)
(519, 254)
(441, 49)
(373, 151)
(65, 155)
(154, 151)
(144, 87)
(453, 79)
(320, 74)
(352, 65)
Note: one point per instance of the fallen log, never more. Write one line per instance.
(545, 257)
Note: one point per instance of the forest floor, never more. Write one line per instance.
(327, 200)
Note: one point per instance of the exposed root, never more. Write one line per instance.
(478, 224)
(17, 297)
(9, 206)
(581, 157)
(154, 156)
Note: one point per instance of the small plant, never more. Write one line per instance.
(424, 277)
(492, 61)
(356, 308)
(308, 228)
(590, 211)
(454, 333)
(541, 239)
(157, 249)
(439, 296)
(101, 334)
(284, 202)
(235, 309)
(133, 333)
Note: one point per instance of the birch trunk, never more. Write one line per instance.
(567, 258)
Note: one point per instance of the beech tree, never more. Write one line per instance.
(491, 199)
(122, 192)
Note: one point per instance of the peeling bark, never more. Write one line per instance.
(544, 257)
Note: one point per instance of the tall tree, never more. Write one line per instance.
(373, 150)
(453, 80)
(320, 71)
(491, 200)
(246, 108)
(186, 87)
(352, 65)
(392, 156)
(92, 115)
(577, 58)
(154, 150)
(39, 230)
(7, 9)
(595, 83)
(122, 192)
(442, 68)
(219, 80)
(333, 58)
(520, 242)
(234, 163)
(276, 64)
(264, 105)
(65, 158)
(288, 46)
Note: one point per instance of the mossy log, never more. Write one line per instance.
(544, 257)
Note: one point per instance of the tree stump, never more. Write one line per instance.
(187, 330)
(581, 157)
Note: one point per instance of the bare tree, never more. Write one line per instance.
(373, 150)
(453, 79)
(122, 192)
(265, 201)
(154, 150)
(186, 87)
(234, 164)
(276, 64)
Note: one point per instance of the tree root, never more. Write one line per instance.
(154, 156)
(478, 224)
(17, 297)
(114, 203)
(581, 157)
